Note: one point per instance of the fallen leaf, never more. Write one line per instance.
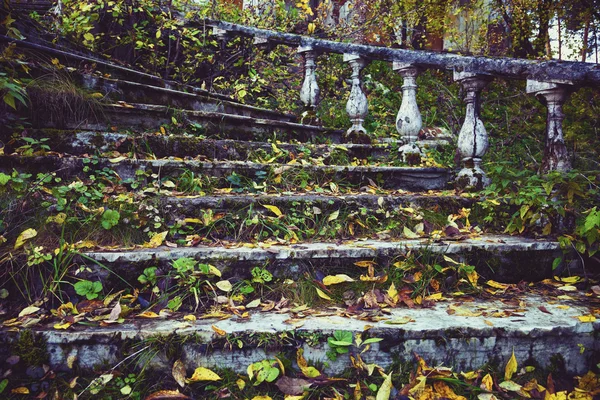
(586, 318)
(219, 331)
(148, 314)
(20, 390)
(28, 311)
(333, 216)
(25, 236)
(117, 159)
(274, 209)
(292, 386)
(385, 389)
(178, 372)
(544, 310)
(335, 279)
(203, 374)
(157, 240)
(167, 395)
(409, 234)
(322, 294)
(510, 385)
(189, 317)
(398, 321)
(225, 286)
(511, 367)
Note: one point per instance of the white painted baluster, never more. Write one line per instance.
(553, 95)
(309, 93)
(357, 105)
(473, 138)
(408, 120)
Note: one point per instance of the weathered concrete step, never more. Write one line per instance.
(220, 125)
(196, 100)
(407, 178)
(491, 332)
(186, 145)
(195, 205)
(498, 257)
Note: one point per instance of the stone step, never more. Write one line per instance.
(176, 97)
(497, 257)
(406, 178)
(143, 117)
(465, 336)
(158, 145)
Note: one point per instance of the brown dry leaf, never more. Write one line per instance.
(292, 386)
(167, 395)
(179, 373)
(444, 391)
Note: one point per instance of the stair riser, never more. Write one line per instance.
(387, 178)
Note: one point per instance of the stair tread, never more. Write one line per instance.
(348, 249)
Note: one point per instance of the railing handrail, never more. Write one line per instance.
(574, 72)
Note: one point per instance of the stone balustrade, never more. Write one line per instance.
(549, 81)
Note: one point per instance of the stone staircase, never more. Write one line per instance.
(239, 193)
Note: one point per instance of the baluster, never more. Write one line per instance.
(553, 95)
(408, 120)
(357, 105)
(309, 93)
(473, 138)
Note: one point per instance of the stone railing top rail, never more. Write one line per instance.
(551, 71)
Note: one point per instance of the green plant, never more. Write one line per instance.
(110, 218)
(89, 289)
(33, 146)
(263, 371)
(12, 89)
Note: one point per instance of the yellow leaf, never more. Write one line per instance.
(148, 314)
(449, 260)
(511, 367)
(568, 279)
(435, 296)
(214, 270)
(157, 240)
(399, 321)
(262, 398)
(203, 374)
(292, 397)
(365, 264)
(488, 323)
(241, 384)
(28, 310)
(64, 325)
(25, 236)
(20, 390)
(219, 331)
(335, 279)
(497, 285)
(190, 317)
(322, 294)
(333, 216)
(309, 372)
(275, 210)
(487, 383)
(470, 375)
(586, 318)
(409, 234)
(385, 389)
(392, 292)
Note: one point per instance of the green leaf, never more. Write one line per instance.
(89, 37)
(4, 179)
(10, 100)
(3, 385)
(110, 218)
(372, 340)
(556, 263)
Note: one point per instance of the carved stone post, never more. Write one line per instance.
(473, 138)
(309, 93)
(357, 106)
(553, 95)
(408, 120)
